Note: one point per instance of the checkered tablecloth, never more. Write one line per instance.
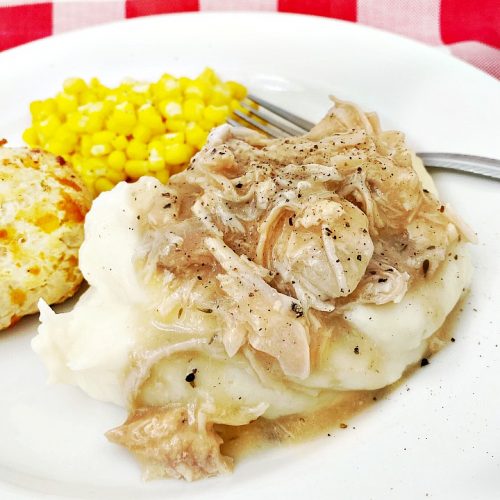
(469, 29)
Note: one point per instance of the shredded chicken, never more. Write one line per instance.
(172, 442)
(275, 272)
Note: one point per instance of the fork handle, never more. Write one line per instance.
(479, 165)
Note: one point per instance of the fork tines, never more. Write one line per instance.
(270, 119)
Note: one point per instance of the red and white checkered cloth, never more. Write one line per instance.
(469, 28)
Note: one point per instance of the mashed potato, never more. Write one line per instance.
(42, 208)
(265, 280)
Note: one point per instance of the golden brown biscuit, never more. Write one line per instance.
(42, 208)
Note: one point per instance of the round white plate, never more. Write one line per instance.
(437, 436)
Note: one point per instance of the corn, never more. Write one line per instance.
(30, 137)
(175, 126)
(192, 109)
(178, 153)
(103, 137)
(47, 108)
(116, 176)
(88, 97)
(173, 138)
(142, 133)
(156, 160)
(167, 87)
(134, 129)
(136, 150)
(100, 149)
(198, 88)
(120, 142)
(46, 128)
(206, 124)
(238, 91)
(103, 184)
(195, 135)
(220, 95)
(116, 160)
(150, 118)
(162, 176)
(136, 168)
(216, 114)
(66, 103)
(156, 156)
(74, 85)
(171, 110)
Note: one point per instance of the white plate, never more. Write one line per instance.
(439, 434)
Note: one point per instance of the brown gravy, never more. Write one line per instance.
(263, 433)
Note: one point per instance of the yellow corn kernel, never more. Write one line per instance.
(178, 153)
(103, 184)
(171, 110)
(76, 161)
(74, 85)
(193, 109)
(238, 91)
(36, 108)
(92, 108)
(236, 106)
(136, 150)
(56, 147)
(208, 75)
(85, 145)
(216, 114)
(156, 160)
(122, 121)
(119, 142)
(150, 117)
(175, 125)
(66, 103)
(30, 137)
(94, 123)
(48, 107)
(142, 133)
(100, 149)
(112, 97)
(195, 135)
(136, 168)
(77, 122)
(141, 88)
(87, 97)
(193, 91)
(66, 137)
(173, 138)
(97, 167)
(198, 89)
(46, 128)
(206, 124)
(116, 160)
(184, 81)
(95, 84)
(125, 107)
(162, 176)
(138, 97)
(103, 137)
(116, 176)
(93, 115)
(156, 143)
(167, 87)
(220, 95)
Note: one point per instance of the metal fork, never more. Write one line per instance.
(280, 123)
